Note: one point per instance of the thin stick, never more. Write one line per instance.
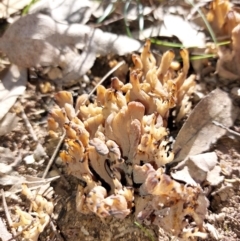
(59, 237)
(104, 78)
(205, 21)
(54, 155)
(31, 131)
(234, 219)
(226, 128)
(28, 125)
(18, 234)
(9, 220)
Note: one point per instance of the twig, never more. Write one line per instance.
(9, 220)
(59, 238)
(205, 21)
(226, 128)
(54, 155)
(104, 78)
(28, 125)
(232, 180)
(234, 219)
(31, 131)
(18, 234)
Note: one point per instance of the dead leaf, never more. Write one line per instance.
(5, 168)
(12, 85)
(192, 38)
(68, 11)
(212, 231)
(213, 177)
(198, 168)
(198, 132)
(8, 180)
(37, 40)
(168, 29)
(15, 180)
(184, 176)
(8, 123)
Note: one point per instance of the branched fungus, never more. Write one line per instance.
(119, 146)
(32, 224)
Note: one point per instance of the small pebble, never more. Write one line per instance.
(53, 173)
(220, 217)
(59, 161)
(236, 91)
(5, 168)
(84, 231)
(29, 159)
(86, 79)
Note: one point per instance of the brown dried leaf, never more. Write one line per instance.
(67, 11)
(198, 132)
(197, 169)
(8, 123)
(37, 40)
(12, 85)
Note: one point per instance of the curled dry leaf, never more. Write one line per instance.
(167, 28)
(198, 132)
(8, 123)
(68, 11)
(37, 40)
(197, 169)
(12, 85)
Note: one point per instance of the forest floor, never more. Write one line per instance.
(18, 148)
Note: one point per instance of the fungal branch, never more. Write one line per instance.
(118, 145)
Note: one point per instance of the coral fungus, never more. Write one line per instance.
(31, 224)
(119, 146)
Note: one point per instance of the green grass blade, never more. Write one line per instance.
(205, 21)
(110, 8)
(165, 43)
(223, 43)
(177, 45)
(26, 9)
(126, 6)
(204, 56)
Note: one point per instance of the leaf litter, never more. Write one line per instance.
(199, 132)
(188, 155)
(37, 40)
